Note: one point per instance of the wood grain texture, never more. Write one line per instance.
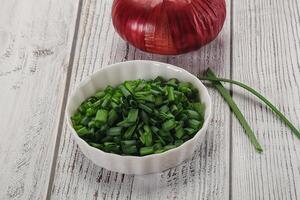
(35, 38)
(205, 177)
(266, 49)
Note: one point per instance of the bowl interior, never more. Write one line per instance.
(131, 70)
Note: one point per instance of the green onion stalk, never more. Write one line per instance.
(210, 76)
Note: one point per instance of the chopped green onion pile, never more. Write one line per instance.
(140, 117)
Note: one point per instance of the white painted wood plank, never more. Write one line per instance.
(205, 177)
(266, 49)
(35, 38)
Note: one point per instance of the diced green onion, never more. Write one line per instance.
(158, 100)
(178, 142)
(128, 85)
(83, 132)
(106, 100)
(170, 93)
(117, 139)
(168, 147)
(107, 138)
(96, 145)
(159, 79)
(92, 124)
(111, 147)
(159, 151)
(172, 82)
(164, 108)
(100, 94)
(114, 131)
(129, 132)
(144, 117)
(146, 151)
(76, 118)
(128, 142)
(124, 123)
(193, 114)
(145, 108)
(90, 112)
(169, 125)
(130, 150)
(179, 132)
(112, 117)
(97, 103)
(194, 124)
(133, 115)
(101, 116)
(77, 127)
(155, 92)
(85, 121)
(146, 138)
(157, 146)
(190, 131)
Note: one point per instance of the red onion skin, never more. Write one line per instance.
(168, 27)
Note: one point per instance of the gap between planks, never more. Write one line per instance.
(64, 100)
(231, 94)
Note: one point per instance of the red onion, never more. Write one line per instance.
(168, 26)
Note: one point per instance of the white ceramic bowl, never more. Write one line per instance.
(131, 70)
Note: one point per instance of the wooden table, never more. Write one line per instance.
(47, 47)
